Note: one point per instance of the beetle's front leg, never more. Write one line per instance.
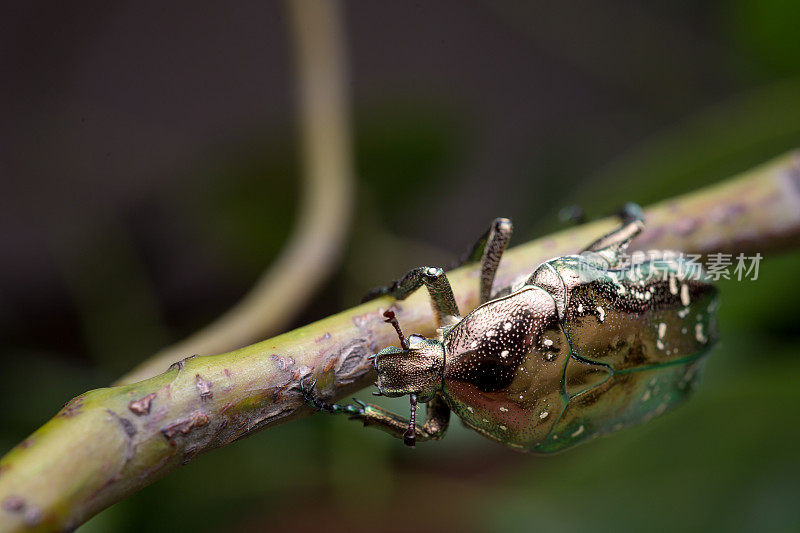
(435, 280)
(437, 420)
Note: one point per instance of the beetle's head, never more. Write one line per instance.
(417, 369)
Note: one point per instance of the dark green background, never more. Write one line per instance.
(149, 152)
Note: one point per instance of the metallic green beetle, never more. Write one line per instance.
(587, 345)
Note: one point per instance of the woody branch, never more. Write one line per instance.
(107, 444)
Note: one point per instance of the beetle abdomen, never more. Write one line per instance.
(653, 313)
(648, 325)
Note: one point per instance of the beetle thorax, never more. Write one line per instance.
(418, 370)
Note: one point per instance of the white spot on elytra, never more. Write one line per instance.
(580, 308)
(543, 415)
(646, 395)
(601, 313)
(673, 285)
(503, 428)
(577, 431)
(490, 333)
(504, 353)
(683, 312)
(660, 344)
(474, 344)
(470, 409)
(685, 300)
(504, 409)
(698, 333)
(662, 329)
(507, 326)
(547, 342)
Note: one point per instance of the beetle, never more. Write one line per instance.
(587, 345)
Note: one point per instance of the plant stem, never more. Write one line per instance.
(107, 444)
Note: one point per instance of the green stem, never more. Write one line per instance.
(107, 444)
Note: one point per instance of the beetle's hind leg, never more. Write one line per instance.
(435, 280)
(612, 246)
(572, 214)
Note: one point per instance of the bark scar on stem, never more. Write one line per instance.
(180, 364)
(130, 431)
(142, 405)
(195, 420)
(72, 407)
(31, 514)
(204, 387)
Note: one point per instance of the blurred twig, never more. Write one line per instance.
(108, 443)
(325, 212)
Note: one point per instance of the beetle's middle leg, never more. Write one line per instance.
(435, 280)
(489, 249)
(613, 246)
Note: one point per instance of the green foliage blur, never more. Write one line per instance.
(727, 460)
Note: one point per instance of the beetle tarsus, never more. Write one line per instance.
(409, 437)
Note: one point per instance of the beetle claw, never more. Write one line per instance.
(311, 399)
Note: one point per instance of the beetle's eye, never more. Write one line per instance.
(415, 338)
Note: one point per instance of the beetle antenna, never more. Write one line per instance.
(409, 437)
(391, 319)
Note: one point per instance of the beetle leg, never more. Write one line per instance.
(488, 250)
(613, 246)
(435, 280)
(572, 214)
(438, 417)
(371, 415)
(317, 403)
(496, 243)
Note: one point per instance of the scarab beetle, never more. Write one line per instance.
(587, 345)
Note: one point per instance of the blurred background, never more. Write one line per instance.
(151, 170)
